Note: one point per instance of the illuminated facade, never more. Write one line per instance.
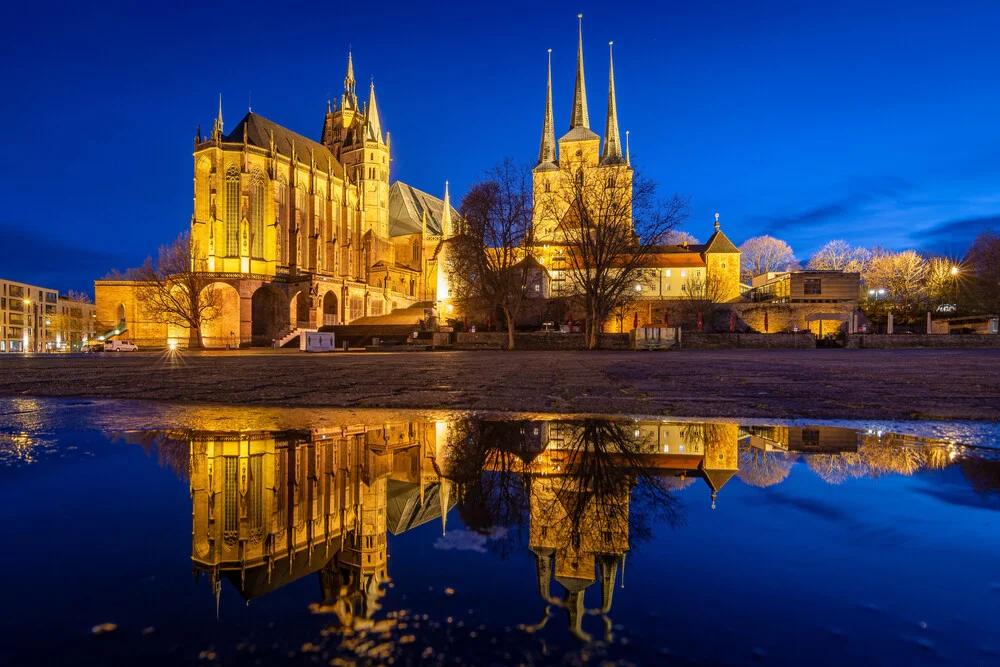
(38, 319)
(300, 233)
(669, 272)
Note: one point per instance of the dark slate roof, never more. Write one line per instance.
(719, 242)
(259, 131)
(406, 210)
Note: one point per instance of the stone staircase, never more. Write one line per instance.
(291, 339)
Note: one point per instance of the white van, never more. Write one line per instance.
(120, 346)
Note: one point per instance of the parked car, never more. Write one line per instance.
(96, 347)
(120, 346)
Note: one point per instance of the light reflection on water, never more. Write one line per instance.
(279, 497)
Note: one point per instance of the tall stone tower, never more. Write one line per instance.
(354, 135)
(577, 157)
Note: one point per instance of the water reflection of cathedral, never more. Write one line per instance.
(271, 508)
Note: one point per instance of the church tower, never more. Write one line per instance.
(575, 161)
(354, 135)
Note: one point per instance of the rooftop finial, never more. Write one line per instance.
(218, 119)
(716, 222)
(547, 152)
(446, 214)
(580, 116)
(628, 157)
(612, 140)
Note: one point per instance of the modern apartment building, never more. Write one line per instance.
(37, 319)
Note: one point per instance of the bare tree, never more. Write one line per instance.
(983, 259)
(609, 222)
(703, 296)
(839, 255)
(898, 279)
(764, 254)
(175, 291)
(678, 237)
(491, 261)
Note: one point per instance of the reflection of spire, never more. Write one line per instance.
(217, 585)
(543, 570)
(444, 497)
(608, 569)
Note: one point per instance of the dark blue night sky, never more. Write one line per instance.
(874, 122)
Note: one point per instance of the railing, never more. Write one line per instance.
(303, 324)
(330, 320)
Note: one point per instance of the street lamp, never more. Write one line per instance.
(27, 330)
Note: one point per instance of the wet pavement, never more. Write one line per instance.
(813, 384)
(157, 533)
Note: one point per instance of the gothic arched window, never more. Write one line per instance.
(416, 251)
(232, 211)
(257, 214)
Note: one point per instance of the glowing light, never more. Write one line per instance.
(954, 270)
(172, 345)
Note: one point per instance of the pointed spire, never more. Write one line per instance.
(580, 116)
(446, 214)
(217, 130)
(628, 157)
(350, 99)
(547, 152)
(612, 141)
(371, 113)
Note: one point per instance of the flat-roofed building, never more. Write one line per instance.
(26, 316)
(805, 287)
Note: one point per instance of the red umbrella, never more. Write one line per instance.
(699, 322)
(765, 321)
(635, 321)
(732, 321)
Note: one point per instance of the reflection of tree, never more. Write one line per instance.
(983, 475)
(172, 448)
(489, 461)
(760, 468)
(876, 456)
(837, 468)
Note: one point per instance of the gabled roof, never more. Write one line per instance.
(406, 211)
(719, 242)
(259, 130)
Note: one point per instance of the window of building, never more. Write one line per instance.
(416, 251)
(684, 273)
(257, 215)
(667, 273)
(232, 211)
(812, 286)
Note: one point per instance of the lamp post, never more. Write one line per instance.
(27, 339)
(954, 282)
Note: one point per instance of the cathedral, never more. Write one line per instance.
(300, 233)
(671, 270)
(294, 234)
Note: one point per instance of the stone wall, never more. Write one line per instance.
(882, 341)
(783, 317)
(709, 341)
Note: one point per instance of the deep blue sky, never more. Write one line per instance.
(874, 122)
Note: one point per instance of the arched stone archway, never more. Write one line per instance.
(224, 328)
(268, 315)
(331, 314)
(298, 310)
